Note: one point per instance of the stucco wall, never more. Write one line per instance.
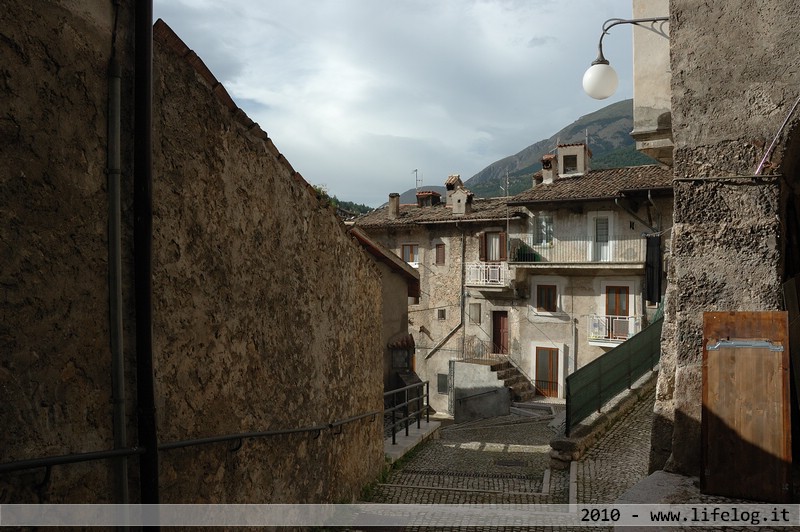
(729, 97)
(267, 315)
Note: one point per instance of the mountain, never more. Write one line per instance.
(609, 136)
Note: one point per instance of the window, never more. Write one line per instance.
(546, 298)
(441, 383)
(440, 254)
(492, 246)
(475, 313)
(441, 313)
(543, 229)
(411, 254)
(570, 164)
(413, 300)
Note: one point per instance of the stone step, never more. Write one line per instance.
(500, 365)
(522, 396)
(515, 380)
(537, 406)
(506, 373)
(527, 412)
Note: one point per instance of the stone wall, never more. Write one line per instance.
(55, 394)
(266, 315)
(729, 98)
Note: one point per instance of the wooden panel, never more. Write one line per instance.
(746, 426)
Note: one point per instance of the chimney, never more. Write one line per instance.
(394, 205)
(548, 171)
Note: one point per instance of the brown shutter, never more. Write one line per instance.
(503, 241)
(482, 247)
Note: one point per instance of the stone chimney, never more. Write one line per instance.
(573, 159)
(549, 167)
(452, 184)
(394, 205)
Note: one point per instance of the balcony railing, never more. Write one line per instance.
(487, 274)
(613, 328)
(578, 249)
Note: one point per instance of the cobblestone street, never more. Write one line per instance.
(506, 460)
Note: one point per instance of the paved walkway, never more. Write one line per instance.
(506, 460)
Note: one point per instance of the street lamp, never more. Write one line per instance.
(601, 80)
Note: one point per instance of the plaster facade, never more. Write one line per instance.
(471, 307)
(266, 314)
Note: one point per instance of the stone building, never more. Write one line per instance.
(551, 278)
(262, 313)
(728, 107)
(399, 283)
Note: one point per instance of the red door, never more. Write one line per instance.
(500, 332)
(617, 311)
(547, 371)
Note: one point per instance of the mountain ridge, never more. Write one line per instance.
(608, 133)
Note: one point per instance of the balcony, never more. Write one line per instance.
(610, 331)
(488, 275)
(579, 251)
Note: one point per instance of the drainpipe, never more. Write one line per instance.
(143, 251)
(464, 290)
(655, 208)
(115, 279)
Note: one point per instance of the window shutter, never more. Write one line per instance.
(482, 247)
(503, 246)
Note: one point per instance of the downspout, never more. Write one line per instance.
(463, 289)
(655, 208)
(115, 279)
(143, 251)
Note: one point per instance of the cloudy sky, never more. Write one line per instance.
(357, 94)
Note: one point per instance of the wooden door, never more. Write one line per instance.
(617, 311)
(500, 332)
(547, 371)
(746, 421)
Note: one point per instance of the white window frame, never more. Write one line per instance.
(538, 225)
(559, 283)
(591, 232)
(415, 253)
(562, 363)
(631, 284)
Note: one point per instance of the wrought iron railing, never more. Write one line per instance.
(487, 274)
(599, 381)
(613, 327)
(578, 249)
(405, 406)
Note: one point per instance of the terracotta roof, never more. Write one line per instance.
(490, 209)
(598, 185)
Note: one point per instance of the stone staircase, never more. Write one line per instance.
(521, 388)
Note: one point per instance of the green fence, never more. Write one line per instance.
(599, 381)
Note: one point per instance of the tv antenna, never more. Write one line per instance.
(417, 179)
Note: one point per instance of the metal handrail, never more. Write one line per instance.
(408, 415)
(49, 461)
(474, 395)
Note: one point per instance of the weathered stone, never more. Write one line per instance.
(266, 314)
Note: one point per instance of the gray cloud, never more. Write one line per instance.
(357, 93)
